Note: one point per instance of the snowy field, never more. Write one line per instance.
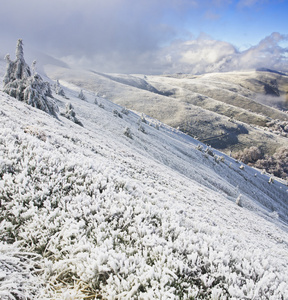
(102, 212)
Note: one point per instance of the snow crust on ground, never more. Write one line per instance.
(89, 212)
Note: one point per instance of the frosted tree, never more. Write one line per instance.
(36, 93)
(59, 90)
(18, 69)
(70, 114)
(30, 88)
(81, 96)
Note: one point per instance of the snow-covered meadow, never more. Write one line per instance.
(91, 213)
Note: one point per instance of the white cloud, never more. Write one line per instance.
(208, 55)
(196, 56)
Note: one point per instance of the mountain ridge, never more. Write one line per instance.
(215, 105)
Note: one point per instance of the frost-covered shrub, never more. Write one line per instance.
(277, 164)
(30, 88)
(239, 201)
(248, 155)
(128, 132)
(70, 114)
(278, 127)
(41, 135)
(98, 229)
(117, 114)
(141, 128)
(209, 151)
(218, 158)
(18, 271)
(125, 111)
(199, 147)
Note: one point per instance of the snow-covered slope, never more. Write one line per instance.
(230, 111)
(88, 212)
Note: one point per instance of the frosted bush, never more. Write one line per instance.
(209, 151)
(128, 132)
(125, 111)
(117, 114)
(248, 155)
(18, 273)
(275, 164)
(239, 201)
(141, 128)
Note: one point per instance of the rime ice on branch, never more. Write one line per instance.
(30, 88)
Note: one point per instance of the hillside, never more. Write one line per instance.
(94, 212)
(230, 111)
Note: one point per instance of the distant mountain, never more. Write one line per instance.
(126, 207)
(271, 71)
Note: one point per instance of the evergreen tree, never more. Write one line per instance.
(81, 96)
(70, 114)
(22, 69)
(24, 86)
(59, 90)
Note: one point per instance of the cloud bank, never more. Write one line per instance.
(205, 55)
(197, 56)
(129, 36)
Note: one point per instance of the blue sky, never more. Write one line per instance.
(153, 36)
(245, 26)
(242, 23)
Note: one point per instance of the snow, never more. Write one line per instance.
(90, 212)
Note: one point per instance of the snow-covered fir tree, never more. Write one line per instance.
(20, 83)
(59, 90)
(81, 96)
(18, 69)
(70, 114)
